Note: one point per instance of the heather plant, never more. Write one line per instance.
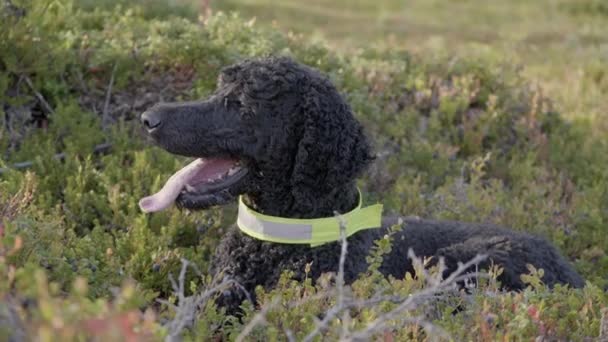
(467, 139)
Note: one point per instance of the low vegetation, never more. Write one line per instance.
(457, 138)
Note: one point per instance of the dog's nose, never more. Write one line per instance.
(150, 120)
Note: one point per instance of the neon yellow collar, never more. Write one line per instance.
(306, 231)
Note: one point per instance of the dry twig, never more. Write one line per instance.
(99, 149)
(334, 311)
(259, 318)
(604, 326)
(105, 118)
(412, 301)
(187, 307)
(47, 107)
(205, 10)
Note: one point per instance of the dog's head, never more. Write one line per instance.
(272, 125)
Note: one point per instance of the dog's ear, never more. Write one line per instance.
(333, 149)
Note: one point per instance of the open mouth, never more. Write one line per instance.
(203, 175)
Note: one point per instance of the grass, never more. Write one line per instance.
(561, 44)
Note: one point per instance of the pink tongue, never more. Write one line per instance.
(199, 171)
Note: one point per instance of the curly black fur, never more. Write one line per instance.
(304, 149)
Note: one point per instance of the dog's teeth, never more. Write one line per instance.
(215, 178)
(233, 170)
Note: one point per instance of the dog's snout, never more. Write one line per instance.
(150, 120)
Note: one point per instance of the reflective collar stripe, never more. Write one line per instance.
(306, 231)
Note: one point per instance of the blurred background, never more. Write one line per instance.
(561, 44)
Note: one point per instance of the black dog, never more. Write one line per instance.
(280, 134)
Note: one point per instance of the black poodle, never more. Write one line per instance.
(280, 134)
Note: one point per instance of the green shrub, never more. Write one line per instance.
(457, 139)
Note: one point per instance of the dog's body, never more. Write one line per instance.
(297, 150)
(252, 262)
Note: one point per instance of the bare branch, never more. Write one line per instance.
(412, 301)
(322, 325)
(343, 250)
(604, 325)
(259, 318)
(205, 10)
(105, 118)
(340, 280)
(99, 149)
(39, 96)
(340, 306)
(187, 307)
(435, 285)
(290, 336)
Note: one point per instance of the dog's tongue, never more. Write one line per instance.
(199, 171)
